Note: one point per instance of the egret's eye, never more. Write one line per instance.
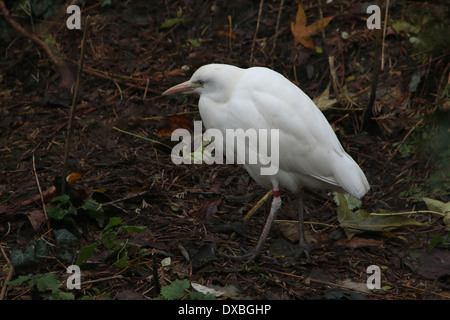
(200, 82)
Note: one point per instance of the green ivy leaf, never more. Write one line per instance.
(19, 281)
(64, 236)
(22, 257)
(86, 253)
(41, 248)
(175, 290)
(44, 282)
(64, 199)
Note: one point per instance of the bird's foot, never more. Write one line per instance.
(248, 257)
(302, 249)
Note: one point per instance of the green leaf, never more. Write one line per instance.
(66, 256)
(114, 221)
(44, 282)
(352, 202)
(94, 209)
(109, 240)
(19, 281)
(194, 43)
(122, 262)
(55, 212)
(400, 26)
(61, 295)
(64, 236)
(133, 229)
(22, 257)
(86, 253)
(436, 205)
(176, 290)
(169, 23)
(41, 248)
(64, 199)
(46, 8)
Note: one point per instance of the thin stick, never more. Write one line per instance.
(257, 206)
(277, 27)
(10, 273)
(230, 23)
(42, 196)
(254, 209)
(72, 109)
(256, 31)
(368, 113)
(384, 34)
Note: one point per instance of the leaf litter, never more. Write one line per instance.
(117, 150)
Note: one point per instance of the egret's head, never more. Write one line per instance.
(215, 80)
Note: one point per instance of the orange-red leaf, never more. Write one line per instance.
(174, 122)
(73, 177)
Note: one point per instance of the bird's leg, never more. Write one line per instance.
(303, 247)
(276, 204)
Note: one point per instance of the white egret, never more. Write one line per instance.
(311, 155)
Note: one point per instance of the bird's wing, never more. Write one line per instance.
(308, 146)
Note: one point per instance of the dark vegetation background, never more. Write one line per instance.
(153, 210)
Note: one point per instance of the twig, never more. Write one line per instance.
(384, 34)
(368, 113)
(72, 109)
(276, 28)
(125, 198)
(103, 279)
(334, 79)
(41, 195)
(406, 136)
(254, 209)
(230, 23)
(427, 291)
(256, 31)
(67, 78)
(10, 273)
(257, 206)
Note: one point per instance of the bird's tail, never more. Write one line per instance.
(350, 176)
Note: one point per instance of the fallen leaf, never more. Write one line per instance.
(303, 33)
(290, 231)
(174, 122)
(227, 34)
(207, 290)
(361, 220)
(436, 205)
(73, 177)
(36, 218)
(323, 101)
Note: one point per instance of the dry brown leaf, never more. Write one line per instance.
(303, 33)
(174, 122)
(227, 34)
(36, 218)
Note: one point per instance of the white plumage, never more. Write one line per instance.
(311, 156)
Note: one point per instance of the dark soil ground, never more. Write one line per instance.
(190, 210)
